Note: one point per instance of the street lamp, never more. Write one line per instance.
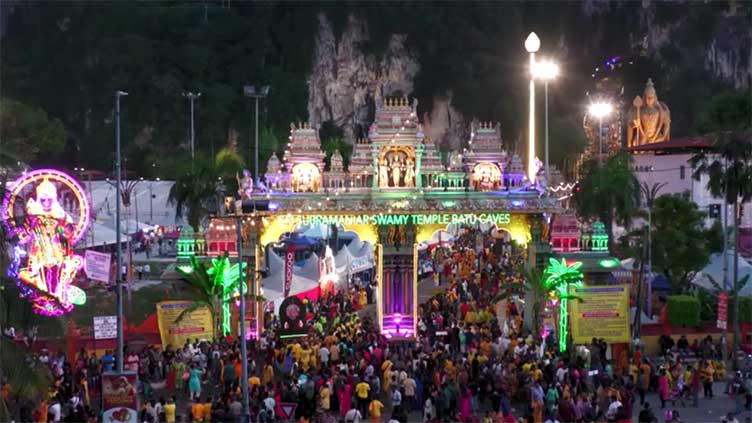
(119, 274)
(546, 71)
(191, 96)
(263, 92)
(532, 45)
(600, 110)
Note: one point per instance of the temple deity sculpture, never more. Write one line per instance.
(383, 173)
(245, 185)
(396, 171)
(649, 119)
(409, 173)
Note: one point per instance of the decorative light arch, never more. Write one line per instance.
(42, 236)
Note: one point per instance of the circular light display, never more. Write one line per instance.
(45, 213)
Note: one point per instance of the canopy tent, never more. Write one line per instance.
(355, 257)
(714, 271)
(99, 235)
(439, 237)
(644, 319)
(304, 280)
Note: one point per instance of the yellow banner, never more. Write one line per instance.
(196, 325)
(603, 313)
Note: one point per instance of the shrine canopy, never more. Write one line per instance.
(714, 272)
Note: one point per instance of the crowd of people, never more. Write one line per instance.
(472, 362)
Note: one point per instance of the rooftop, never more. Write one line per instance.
(677, 144)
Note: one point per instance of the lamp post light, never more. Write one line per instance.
(532, 45)
(546, 71)
(263, 92)
(191, 96)
(119, 255)
(600, 110)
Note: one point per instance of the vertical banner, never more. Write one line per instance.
(289, 264)
(602, 312)
(198, 324)
(119, 399)
(722, 310)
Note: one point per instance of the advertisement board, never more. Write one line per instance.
(196, 325)
(119, 398)
(602, 313)
(105, 327)
(98, 265)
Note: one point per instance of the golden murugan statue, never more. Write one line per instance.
(649, 119)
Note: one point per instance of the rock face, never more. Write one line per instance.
(445, 125)
(345, 82)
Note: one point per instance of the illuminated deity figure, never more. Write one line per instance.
(48, 230)
(245, 185)
(649, 119)
(409, 173)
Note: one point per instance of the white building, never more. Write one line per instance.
(669, 162)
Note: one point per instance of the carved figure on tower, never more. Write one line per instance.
(649, 119)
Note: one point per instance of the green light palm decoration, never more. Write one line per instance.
(214, 286)
(556, 280)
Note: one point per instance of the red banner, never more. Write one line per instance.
(722, 310)
(119, 398)
(289, 264)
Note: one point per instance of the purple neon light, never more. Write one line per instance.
(39, 175)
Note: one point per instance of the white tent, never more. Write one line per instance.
(99, 235)
(355, 257)
(302, 279)
(714, 271)
(644, 319)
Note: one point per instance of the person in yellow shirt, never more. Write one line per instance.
(169, 410)
(267, 374)
(254, 381)
(325, 396)
(374, 410)
(296, 352)
(386, 369)
(361, 392)
(305, 357)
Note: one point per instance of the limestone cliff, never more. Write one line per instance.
(345, 82)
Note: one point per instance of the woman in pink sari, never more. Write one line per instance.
(464, 404)
(345, 396)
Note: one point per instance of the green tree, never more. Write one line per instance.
(214, 287)
(27, 133)
(609, 192)
(680, 243)
(200, 183)
(728, 166)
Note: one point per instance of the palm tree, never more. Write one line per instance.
(557, 279)
(610, 193)
(553, 283)
(214, 287)
(200, 183)
(728, 166)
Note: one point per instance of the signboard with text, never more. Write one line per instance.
(603, 313)
(105, 327)
(195, 325)
(403, 219)
(98, 265)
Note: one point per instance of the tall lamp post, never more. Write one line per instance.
(119, 255)
(532, 45)
(600, 110)
(546, 71)
(191, 96)
(263, 92)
